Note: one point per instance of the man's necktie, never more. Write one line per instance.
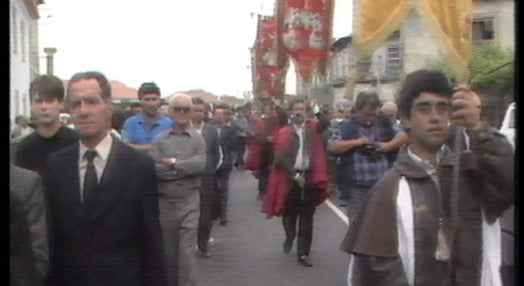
(90, 180)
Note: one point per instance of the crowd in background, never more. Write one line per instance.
(130, 193)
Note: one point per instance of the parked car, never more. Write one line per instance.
(507, 221)
(508, 124)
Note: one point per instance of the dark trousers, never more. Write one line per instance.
(241, 150)
(222, 185)
(263, 177)
(208, 202)
(357, 197)
(300, 204)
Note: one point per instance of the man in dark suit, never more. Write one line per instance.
(227, 136)
(208, 190)
(102, 200)
(28, 232)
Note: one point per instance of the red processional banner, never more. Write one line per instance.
(269, 62)
(304, 27)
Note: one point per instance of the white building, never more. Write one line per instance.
(24, 60)
(410, 48)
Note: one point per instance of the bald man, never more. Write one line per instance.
(389, 109)
(180, 157)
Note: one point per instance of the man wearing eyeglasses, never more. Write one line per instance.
(180, 157)
(365, 144)
(139, 130)
(433, 219)
(102, 199)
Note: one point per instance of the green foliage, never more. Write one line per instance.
(491, 67)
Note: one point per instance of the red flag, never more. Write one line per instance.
(269, 65)
(304, 27)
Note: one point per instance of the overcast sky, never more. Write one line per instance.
(180, 45)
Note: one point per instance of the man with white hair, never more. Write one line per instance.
(390, 109)
(180, 159)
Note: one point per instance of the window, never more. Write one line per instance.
(23, 47)
(14, 30)
(24, 104)
(395, 36)
(394, 60)
(483, 29)
(363, 68)
(16, 104)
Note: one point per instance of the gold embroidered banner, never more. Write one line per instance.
(375, 20)
(450, 23)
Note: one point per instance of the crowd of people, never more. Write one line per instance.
(130, 197)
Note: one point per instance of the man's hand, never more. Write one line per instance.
(168, 161)
(383, 147)
(466, 107)
(300, 181)
(363, 140)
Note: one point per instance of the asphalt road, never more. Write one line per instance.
(248, 250)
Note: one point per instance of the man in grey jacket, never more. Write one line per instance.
(26, 185)
(180, 157)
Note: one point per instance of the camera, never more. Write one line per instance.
(369, 149)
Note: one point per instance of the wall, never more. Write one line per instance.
(504, 14)
(20, 72)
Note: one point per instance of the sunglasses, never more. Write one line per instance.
(181, 108)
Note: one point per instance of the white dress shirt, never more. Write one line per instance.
(302, 162)
(220, 152)
(100, 161)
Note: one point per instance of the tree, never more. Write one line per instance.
(491, 68)
(492, 74)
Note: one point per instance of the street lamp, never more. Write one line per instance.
(50, 54)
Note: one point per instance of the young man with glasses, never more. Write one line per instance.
(433, 219)
(180, 157)
(139, 130)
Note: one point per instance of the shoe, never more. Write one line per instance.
(304, 260)
(288, 244)
(202, 254)
(211, 241)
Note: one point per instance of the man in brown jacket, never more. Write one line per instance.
(408, 232)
